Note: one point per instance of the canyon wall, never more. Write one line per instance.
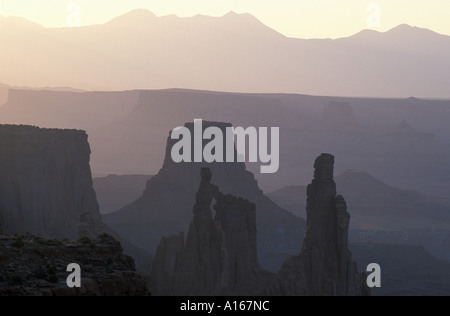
(46, 183)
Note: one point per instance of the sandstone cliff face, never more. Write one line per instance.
(166, 207)
(32, 266)
(219, 257)
(220, 254)
(46, 184)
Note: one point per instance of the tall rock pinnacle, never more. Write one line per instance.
(220, 256)
(329, 268)
(325, 266)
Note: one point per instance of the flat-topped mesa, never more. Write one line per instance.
(222, 126)
(46, 184)
(165, 207)
(232, 177)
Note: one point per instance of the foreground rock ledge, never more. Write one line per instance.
(32, 266)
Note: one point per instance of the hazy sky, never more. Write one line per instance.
(295, 18)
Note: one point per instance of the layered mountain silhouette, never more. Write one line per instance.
(127, 130)
(235, 52)
(375, 205)
(3, 93)
(65, 109)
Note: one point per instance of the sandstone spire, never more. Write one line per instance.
(328, 264)
(220, 256)
(325, 266)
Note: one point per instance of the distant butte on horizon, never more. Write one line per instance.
(232, 53)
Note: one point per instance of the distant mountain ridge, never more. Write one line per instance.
(375, 205)
(127, 130)
(235, 52)
(3, 93)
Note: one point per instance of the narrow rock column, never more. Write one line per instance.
(329, 268)
(220, 254)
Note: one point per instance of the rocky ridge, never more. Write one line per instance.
(33, 266)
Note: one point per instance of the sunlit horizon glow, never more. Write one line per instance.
(293, 18)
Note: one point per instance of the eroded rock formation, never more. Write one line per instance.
(166, 206)
(46, 187)
(325, 265)
(220, 254)
(219, 257)
(32, 266)
(46, 183)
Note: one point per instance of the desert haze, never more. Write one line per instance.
(362, 119)
(235, 52)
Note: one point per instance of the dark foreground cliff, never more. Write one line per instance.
(32, 266)
(219, 256)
